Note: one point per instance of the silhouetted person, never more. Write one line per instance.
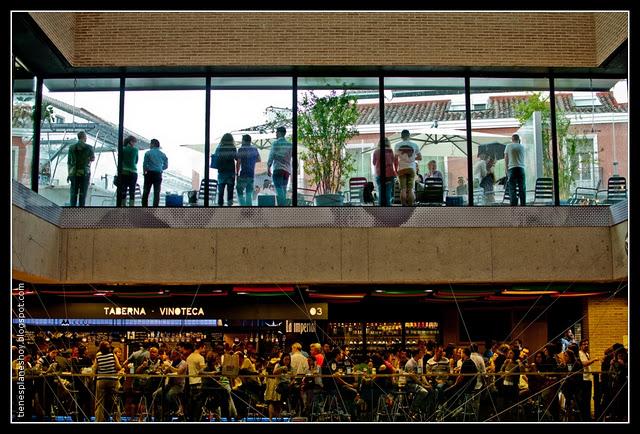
(514, 160)
(280, 159)
(79, 164)
(155, 162)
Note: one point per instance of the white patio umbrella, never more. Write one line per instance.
(447, 142)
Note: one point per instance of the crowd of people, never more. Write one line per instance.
(440, 382)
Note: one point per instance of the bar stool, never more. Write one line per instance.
(401, 405)
(383, 413)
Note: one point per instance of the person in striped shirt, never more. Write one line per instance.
(106, 367)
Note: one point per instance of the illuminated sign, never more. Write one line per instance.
(300, 327)
(164, 311)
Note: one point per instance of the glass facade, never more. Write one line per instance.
(68, 108)
(501, 110)
(338, 132)
(333, 149)
(172, 111)
(253, 107)
(22, 118)
(594, 147)
(432, 110)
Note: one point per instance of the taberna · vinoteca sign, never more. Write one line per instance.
(164, 311)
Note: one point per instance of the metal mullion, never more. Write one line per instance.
(120, 138)
(294, 140)
(467, 96)
(554, 142)
(35, 159)
(383, 159)
(207, 139)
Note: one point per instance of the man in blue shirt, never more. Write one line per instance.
(280, 158)
(246, 160)
(155, 161)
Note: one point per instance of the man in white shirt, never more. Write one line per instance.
(514, 160)
(406, 155)
(416, 384)
(477, 358)
(587, 380)
(195, 364)
(299, 364)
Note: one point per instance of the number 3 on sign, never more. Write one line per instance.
(315, 311)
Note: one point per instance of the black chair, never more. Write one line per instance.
(433, 193)
(213, 192)
(543, 192)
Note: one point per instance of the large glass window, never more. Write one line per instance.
(593, 140)
(22, 130)
(432, 110)
(253, 107)
(172, 111)
(71, 106)
(502, 107)
(338, 132)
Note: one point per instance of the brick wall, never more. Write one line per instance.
(611, 30)
(329, 38)
(605, 323)
(60, 28)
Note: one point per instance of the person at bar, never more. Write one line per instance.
(196, 363)
(106, 366)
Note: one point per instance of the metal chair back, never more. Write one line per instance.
(544, 190)
(356, 188)
(213, 191)
(616, 189)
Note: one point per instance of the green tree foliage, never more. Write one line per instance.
(325, 125)
(567, 143)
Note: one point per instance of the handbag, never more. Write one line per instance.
(214, 161)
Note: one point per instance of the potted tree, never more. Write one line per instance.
(325, 125)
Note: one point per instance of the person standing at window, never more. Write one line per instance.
(514, 160)
(246, 160)
(390, 170)
(280, 158)
(155, 161)
(226, 156)
(79, 164)
(129, 174)
(407, 153)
